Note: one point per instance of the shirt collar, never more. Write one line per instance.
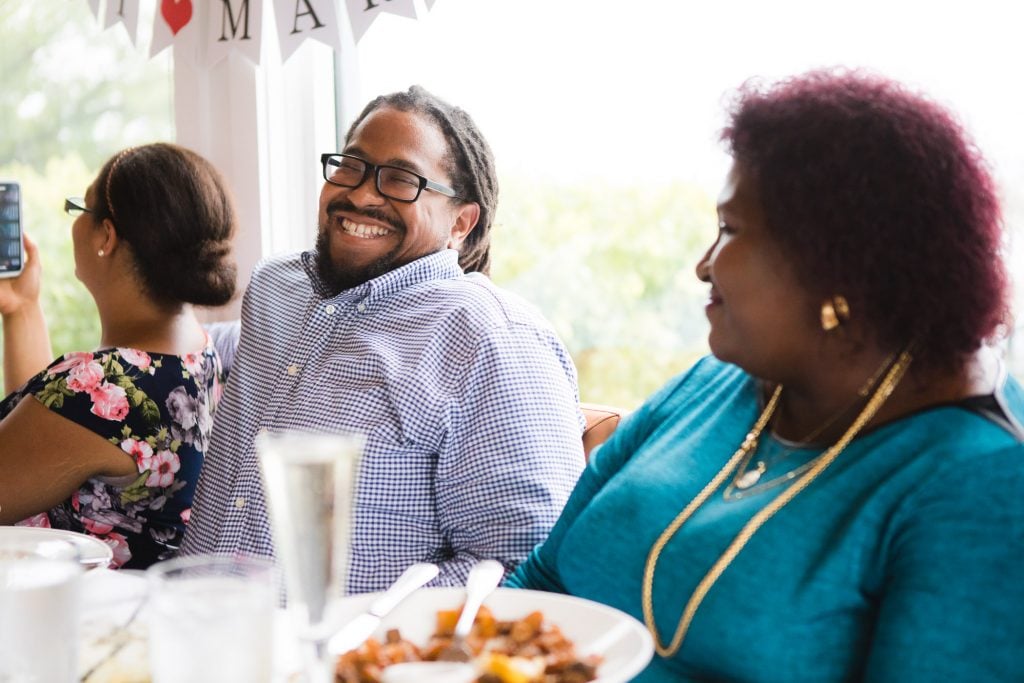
(441, 265)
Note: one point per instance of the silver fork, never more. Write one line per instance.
(483, 579)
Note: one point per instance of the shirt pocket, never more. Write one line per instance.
(345, 393)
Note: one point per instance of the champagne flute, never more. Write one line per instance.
(310, 483)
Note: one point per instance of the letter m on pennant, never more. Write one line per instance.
(234, 20)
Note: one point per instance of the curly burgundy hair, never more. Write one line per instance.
(879, 195)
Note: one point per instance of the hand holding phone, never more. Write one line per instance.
(17, 293)
(12, 257)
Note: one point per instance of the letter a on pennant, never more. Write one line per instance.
(300, 19)
(361, 13)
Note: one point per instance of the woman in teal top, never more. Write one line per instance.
(838, 495)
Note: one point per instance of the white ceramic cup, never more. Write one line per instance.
(39, 605)
(211, 619)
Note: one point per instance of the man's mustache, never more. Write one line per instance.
(336, 205)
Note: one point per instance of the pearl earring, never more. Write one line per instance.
(101, 253)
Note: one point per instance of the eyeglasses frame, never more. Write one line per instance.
(75, 206)
(375, 169)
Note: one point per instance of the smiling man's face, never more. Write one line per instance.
(363, 234)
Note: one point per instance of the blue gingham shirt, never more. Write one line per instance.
(467, 397)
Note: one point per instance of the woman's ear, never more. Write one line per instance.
(465, 220)
(109, 239)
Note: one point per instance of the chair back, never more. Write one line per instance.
(601, 422)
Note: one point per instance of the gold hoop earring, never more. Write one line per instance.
(834, 312)
(101, 253)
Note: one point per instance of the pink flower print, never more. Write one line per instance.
(109, 402)
(162, 467)
(119, 544)
(139, 359)
(185, 515)
(85, 376)
(70, 361)
(193, 362)
(139, 450)
(40, 521)
(96, 527)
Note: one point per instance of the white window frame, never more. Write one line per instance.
(264, 127)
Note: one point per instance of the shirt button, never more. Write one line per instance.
(239, 503)
(330, 309)
(293, 369)
(361, 307)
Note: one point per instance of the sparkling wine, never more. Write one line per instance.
(310, 485)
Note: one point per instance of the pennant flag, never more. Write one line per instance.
(430, 4)
(94, 5)
(124, 12)
(174, 23)
(234, 26)
(300, 19)
(361, 13)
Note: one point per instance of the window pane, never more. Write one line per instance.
(604, 117)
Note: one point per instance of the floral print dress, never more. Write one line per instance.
(158, 409)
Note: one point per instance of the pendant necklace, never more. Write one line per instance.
(748, 481)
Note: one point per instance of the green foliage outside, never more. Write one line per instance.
(613, 269)
(73, 95)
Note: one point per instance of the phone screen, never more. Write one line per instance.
(10, 229)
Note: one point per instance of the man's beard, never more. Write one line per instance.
(337, 277)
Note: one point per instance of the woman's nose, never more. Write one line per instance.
(703, 268)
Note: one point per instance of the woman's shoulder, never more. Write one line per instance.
(707, 379)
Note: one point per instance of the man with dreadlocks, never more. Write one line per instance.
(391, 328)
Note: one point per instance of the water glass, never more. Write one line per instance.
(211, 619)
(39, 604)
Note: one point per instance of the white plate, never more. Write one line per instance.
(92, 552)
(621, 640)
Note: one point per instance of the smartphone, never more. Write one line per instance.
(12, 260)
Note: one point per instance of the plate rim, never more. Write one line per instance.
(363, 600)
(79, 539)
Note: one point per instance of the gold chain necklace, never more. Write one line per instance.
(878, 398)
(747, 482)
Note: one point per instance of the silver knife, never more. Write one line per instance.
(355, 632)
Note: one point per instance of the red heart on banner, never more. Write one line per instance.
(177, 13)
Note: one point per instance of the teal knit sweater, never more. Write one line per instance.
(903, 561)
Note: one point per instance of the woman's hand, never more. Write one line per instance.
(17, 292)
(26, 341)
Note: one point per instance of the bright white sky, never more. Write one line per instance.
(570, 88)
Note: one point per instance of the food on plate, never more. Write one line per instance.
(526, 650)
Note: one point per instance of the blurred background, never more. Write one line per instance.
(603, 117)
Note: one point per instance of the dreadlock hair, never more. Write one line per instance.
(470, 163)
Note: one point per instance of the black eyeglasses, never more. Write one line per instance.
(392, 182)
(75, 206)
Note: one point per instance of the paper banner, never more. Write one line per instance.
(300, 19)
(234, 26)
(174, 23)
(430, 4)
(123, 12)
(361, 13)
(94, 5)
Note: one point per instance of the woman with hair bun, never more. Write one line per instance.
(110, 442)
(837, 494)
